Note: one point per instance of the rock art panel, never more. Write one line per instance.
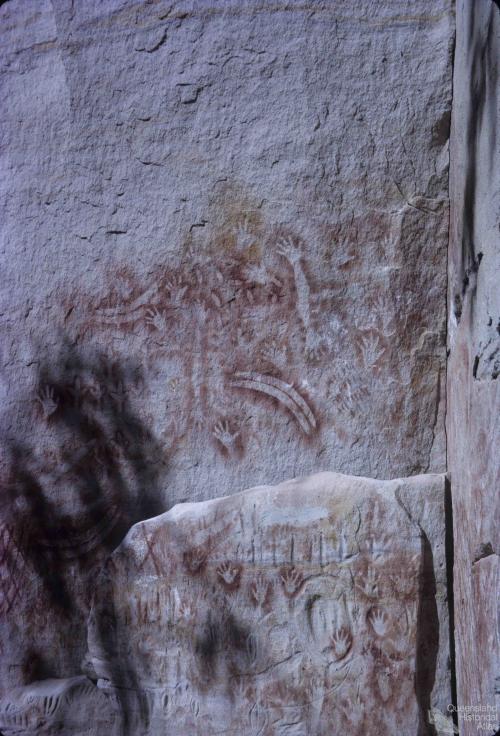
(214, 192)
(258, 342)
(64, 510)
(262, 224)
(314, 607)
(71, 706)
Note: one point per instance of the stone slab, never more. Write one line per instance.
(317, 606)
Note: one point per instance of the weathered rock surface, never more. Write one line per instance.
(473, 419)
(71, 706)
(244, 207)
(222, 193)
(317, 606)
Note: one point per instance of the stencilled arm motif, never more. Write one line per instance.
(205, 295)
(293, 255)
(315, 344)
(200, 321)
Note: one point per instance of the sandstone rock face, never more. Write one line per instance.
(219, 192)
(474, 363)
(72, 706)
(317, 606)
(223, 237)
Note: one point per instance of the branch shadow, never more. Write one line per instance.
(70, 494)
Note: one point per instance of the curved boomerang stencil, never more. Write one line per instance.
(280, 390)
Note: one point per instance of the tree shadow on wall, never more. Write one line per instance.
(480, 129)
(91, 469)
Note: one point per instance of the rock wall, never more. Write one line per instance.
(289, 609)
(224, 237)
(285, 609)
(474, 364)
(251, 203)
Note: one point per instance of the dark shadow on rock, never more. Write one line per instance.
(427, 638)
(450, 554)
(130, 701)
(481, 120)
(72, 490)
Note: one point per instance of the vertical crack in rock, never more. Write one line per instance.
(450, 563)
